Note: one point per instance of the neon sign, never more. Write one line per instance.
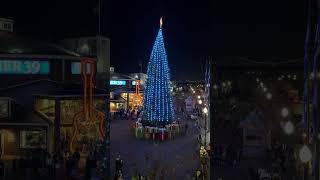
(118, 83)
(24, 67)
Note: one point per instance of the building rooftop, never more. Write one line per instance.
(12, 45)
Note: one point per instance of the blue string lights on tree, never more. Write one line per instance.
(158, 104)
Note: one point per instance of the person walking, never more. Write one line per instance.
(69, 167)
(119, 164)
(186, 128)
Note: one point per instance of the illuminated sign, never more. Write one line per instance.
(76, 68)
(118, 83)
(133, 83)
(24, 67)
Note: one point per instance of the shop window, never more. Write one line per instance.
(45, 107)
(113, 107)
(4, 108)
(33, 139)
(68, 109)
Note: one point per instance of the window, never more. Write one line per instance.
(4, 108)
(45, 107)
(33, 139)
(7, 26)
(76, 68)
(68, 109)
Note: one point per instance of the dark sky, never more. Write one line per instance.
(194, 30)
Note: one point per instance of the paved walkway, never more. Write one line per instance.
(173, 157)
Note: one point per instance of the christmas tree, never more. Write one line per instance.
(158, 105)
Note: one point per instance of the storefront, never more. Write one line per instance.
(41, 92)
(126, 91)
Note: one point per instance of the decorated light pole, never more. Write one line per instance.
(205, 112)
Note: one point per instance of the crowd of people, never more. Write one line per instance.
(131, 113)
(44, 165)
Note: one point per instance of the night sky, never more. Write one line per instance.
(193, 30)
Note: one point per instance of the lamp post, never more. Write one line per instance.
(205, 112)
(284, 112)
(200, 101)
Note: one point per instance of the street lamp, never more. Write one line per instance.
(205, 111)
(265, 89)
(288, 128)
(199, 96)
(284, 112)
(305, 154)
(215, 87)
(200, 101)
(269, 96)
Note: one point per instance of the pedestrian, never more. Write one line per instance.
(69, 167)
(2, 170)
(76, 158)
(119, 164)
(186, 128)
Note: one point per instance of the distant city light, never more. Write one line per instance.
(305, 154)
(200, 101)
(199, 96)
(284, 112)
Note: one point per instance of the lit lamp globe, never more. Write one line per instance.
(205, 110)
(269, 96)
(305, 154)
(261, 84)
(265, 89)
(288, 128)
(284, 112)
(200, 101)
(199, 96)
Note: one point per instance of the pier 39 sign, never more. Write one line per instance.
(24, 67)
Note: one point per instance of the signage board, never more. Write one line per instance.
(24, 67)
(118, 82)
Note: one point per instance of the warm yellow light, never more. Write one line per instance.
(161, 22)
(205, 110)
